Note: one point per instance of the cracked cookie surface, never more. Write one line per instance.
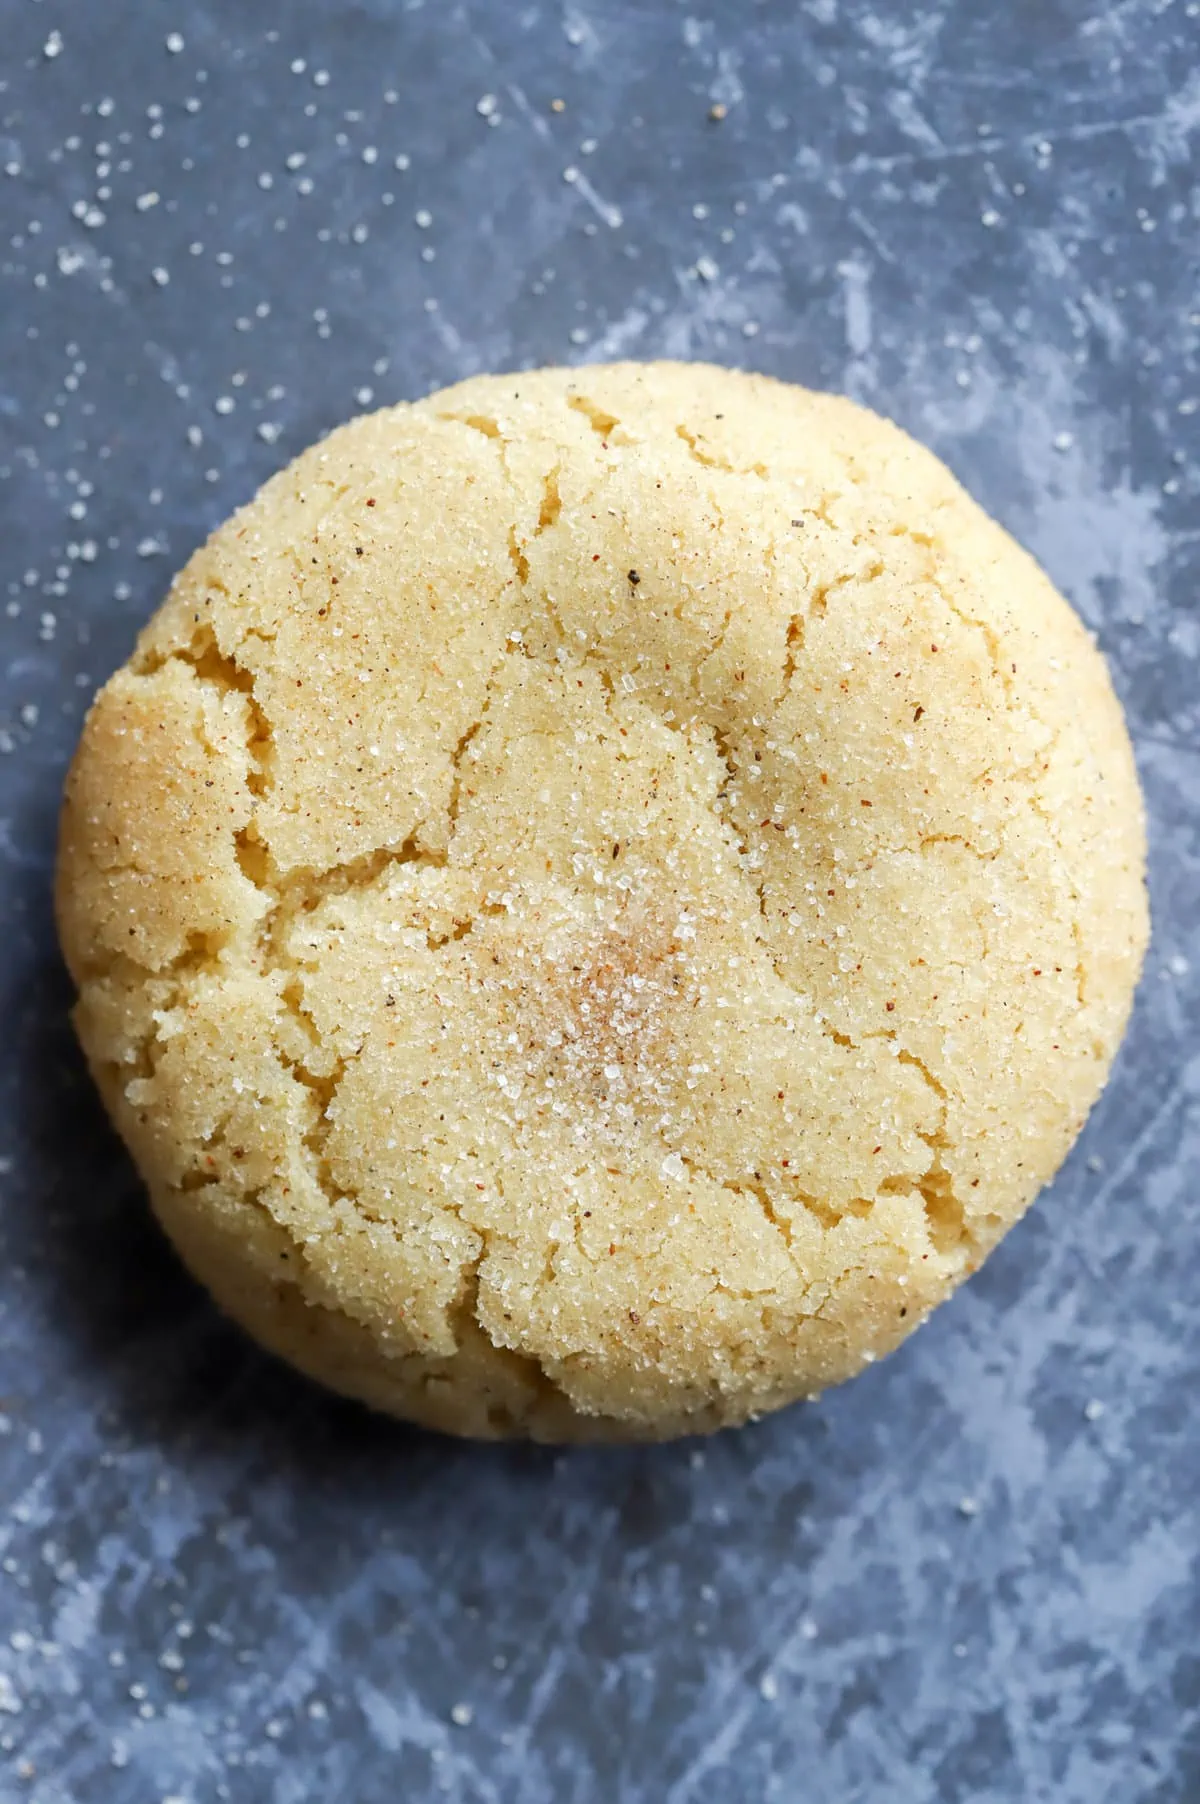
(599, 897)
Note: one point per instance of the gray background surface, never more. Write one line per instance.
(973, 1574)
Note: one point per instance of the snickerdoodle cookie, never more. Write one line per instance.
(599, 897)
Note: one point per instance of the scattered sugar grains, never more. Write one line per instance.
(584, 1031)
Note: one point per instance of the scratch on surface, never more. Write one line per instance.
(1082, 133)
(1166, 1108)
(604, 209)
(733, 1721)
(407, 1723)
(570, 1614)
(530, 115)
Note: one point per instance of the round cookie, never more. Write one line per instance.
(599, 898)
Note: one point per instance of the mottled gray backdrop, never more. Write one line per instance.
(973, 1575)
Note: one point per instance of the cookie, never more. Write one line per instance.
(599, 898)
